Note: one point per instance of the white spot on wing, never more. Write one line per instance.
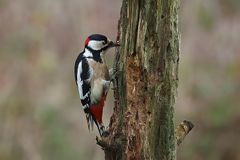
(80, 81)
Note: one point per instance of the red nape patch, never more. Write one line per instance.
(86, 41)
(97, 110)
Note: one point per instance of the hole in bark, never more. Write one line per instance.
(136, 117)
(169, 48)
(175, 24)
(162, 16)
(146, 88)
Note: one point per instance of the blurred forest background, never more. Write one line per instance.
(40, 112)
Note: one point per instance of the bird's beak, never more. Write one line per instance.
(113, 44)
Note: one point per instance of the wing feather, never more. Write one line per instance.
(83, 77)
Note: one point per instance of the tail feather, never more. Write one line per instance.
(91, 120)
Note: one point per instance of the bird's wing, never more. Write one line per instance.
(83, 77)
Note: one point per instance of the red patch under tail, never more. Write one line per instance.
(97, 110)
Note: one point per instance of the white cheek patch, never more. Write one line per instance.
(96, 45)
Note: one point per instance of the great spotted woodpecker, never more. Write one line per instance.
(93, 78)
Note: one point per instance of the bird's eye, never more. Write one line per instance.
(103, 42)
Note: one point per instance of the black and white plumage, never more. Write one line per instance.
(93, 79)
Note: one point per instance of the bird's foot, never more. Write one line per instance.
(104, 131)
(113, 72)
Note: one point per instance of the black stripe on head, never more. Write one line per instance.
(96, 54)
(98, 37)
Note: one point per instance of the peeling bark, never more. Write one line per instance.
(147, 62)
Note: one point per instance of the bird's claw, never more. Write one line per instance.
(113, 73)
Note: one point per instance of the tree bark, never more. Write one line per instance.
(141, 126)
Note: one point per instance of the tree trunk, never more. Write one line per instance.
(147, 62)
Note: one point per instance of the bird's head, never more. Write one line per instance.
(98, 42)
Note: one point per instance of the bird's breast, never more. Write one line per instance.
(100, 70)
